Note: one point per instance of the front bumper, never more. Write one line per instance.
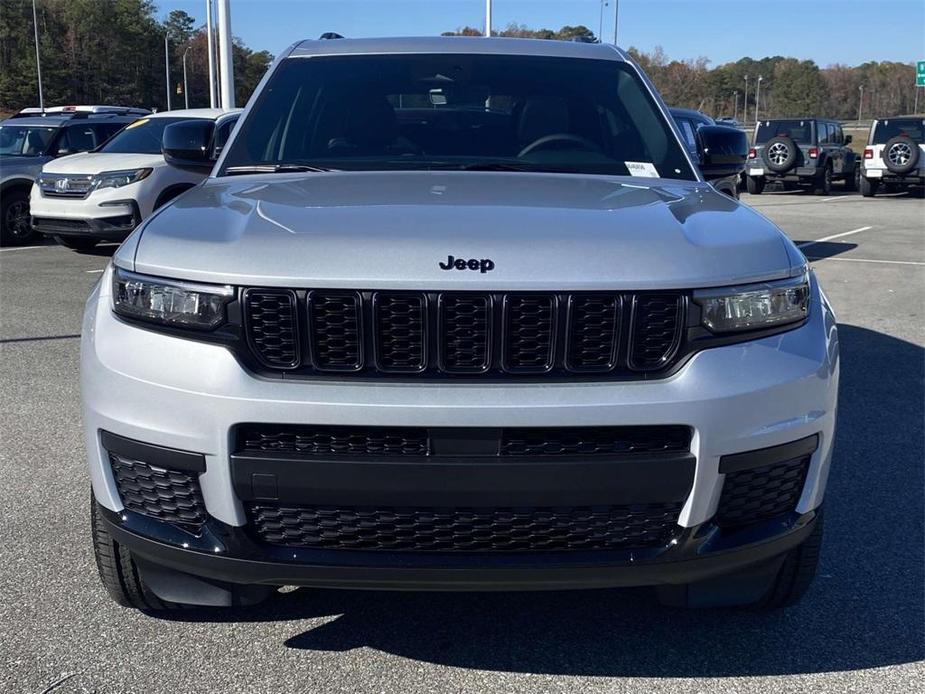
(107, 216)
(190, 396)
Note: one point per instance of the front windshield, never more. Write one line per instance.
(426, 111)
(24, 140)
(800, 131)
(141, 137)
(913, 128)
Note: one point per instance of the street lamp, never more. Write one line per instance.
(757, 97)
(735, 96)
(745, 102)
(185, 88)
(860, 101)
(167, 67)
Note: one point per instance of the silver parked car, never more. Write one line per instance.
(457, 314)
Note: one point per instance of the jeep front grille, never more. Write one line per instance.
(421, 334)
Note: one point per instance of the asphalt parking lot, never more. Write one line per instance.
(859, 630)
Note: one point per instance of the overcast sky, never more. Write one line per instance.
(827, 31)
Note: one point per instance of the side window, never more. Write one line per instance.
(221, 134)
(687, 132)
(104, 131)
(839, 135)
(78, 138)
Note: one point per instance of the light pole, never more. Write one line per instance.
(735, 96)
(185, 88)
(38, 62)
(488, 18)
(167, 68)
(616, 19)
(745, 102)
(225, 64)
(757, 97)
(860, 101)
(210, 34)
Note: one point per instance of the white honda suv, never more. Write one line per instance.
(102, 195)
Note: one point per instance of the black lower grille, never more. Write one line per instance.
(359, 441)
(466, 529)
(333, 440)
(760, 493)
(172, 496)
(538, 441)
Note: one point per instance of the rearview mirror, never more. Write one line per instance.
(722, 151)
(188, 145)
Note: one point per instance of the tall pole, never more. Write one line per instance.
(915, 108)
(860, 101)
(210, 30)
(616, 19)
(757, 97)
(185, 88)
(38, 61)
(488, 18)
(225, 64)
(745, 102)
(167, 68)
(735, 117)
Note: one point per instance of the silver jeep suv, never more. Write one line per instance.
(457, 314)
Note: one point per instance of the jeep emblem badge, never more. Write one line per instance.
(483, 265)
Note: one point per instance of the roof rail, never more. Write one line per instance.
(329, 35)
(82, 110)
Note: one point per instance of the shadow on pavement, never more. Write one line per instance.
(824, 249)
(865, 609)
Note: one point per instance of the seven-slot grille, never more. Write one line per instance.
(464, 333)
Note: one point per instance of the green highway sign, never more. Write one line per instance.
(920, 74)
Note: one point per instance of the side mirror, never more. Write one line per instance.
(722, 151)
(848, 139)
(188, 145)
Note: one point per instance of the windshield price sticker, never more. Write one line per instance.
(642, 168)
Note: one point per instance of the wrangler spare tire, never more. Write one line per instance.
(780, 154)
(901, 154)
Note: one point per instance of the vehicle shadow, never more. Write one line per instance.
(864, 610)
(824, 249)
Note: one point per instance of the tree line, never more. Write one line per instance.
(789, 86)
(110, 52)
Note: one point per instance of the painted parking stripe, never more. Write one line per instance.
(22, 248)
(871, 260)
(806, 244)
(92, 272)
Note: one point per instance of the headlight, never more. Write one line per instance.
(169, 302)
(754, 306)
(117, 179)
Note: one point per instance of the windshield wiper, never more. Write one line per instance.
(274, 168)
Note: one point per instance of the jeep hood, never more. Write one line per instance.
(392, 230)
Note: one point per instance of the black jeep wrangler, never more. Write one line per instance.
(805, 153)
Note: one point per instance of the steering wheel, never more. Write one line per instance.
(546, 140)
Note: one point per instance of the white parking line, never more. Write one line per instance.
(870, 260)
(90, 272)
(806, 244)
(837, 197)
(22, 248)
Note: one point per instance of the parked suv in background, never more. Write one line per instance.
(800, 152)
(895, 156)
(28, 140)
(104, 194)
(457, 314)
(689, 122)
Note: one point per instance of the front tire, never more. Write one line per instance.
(15, 222)
(118, 571)
(754, 185)
(77, 243)
(868, 187)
